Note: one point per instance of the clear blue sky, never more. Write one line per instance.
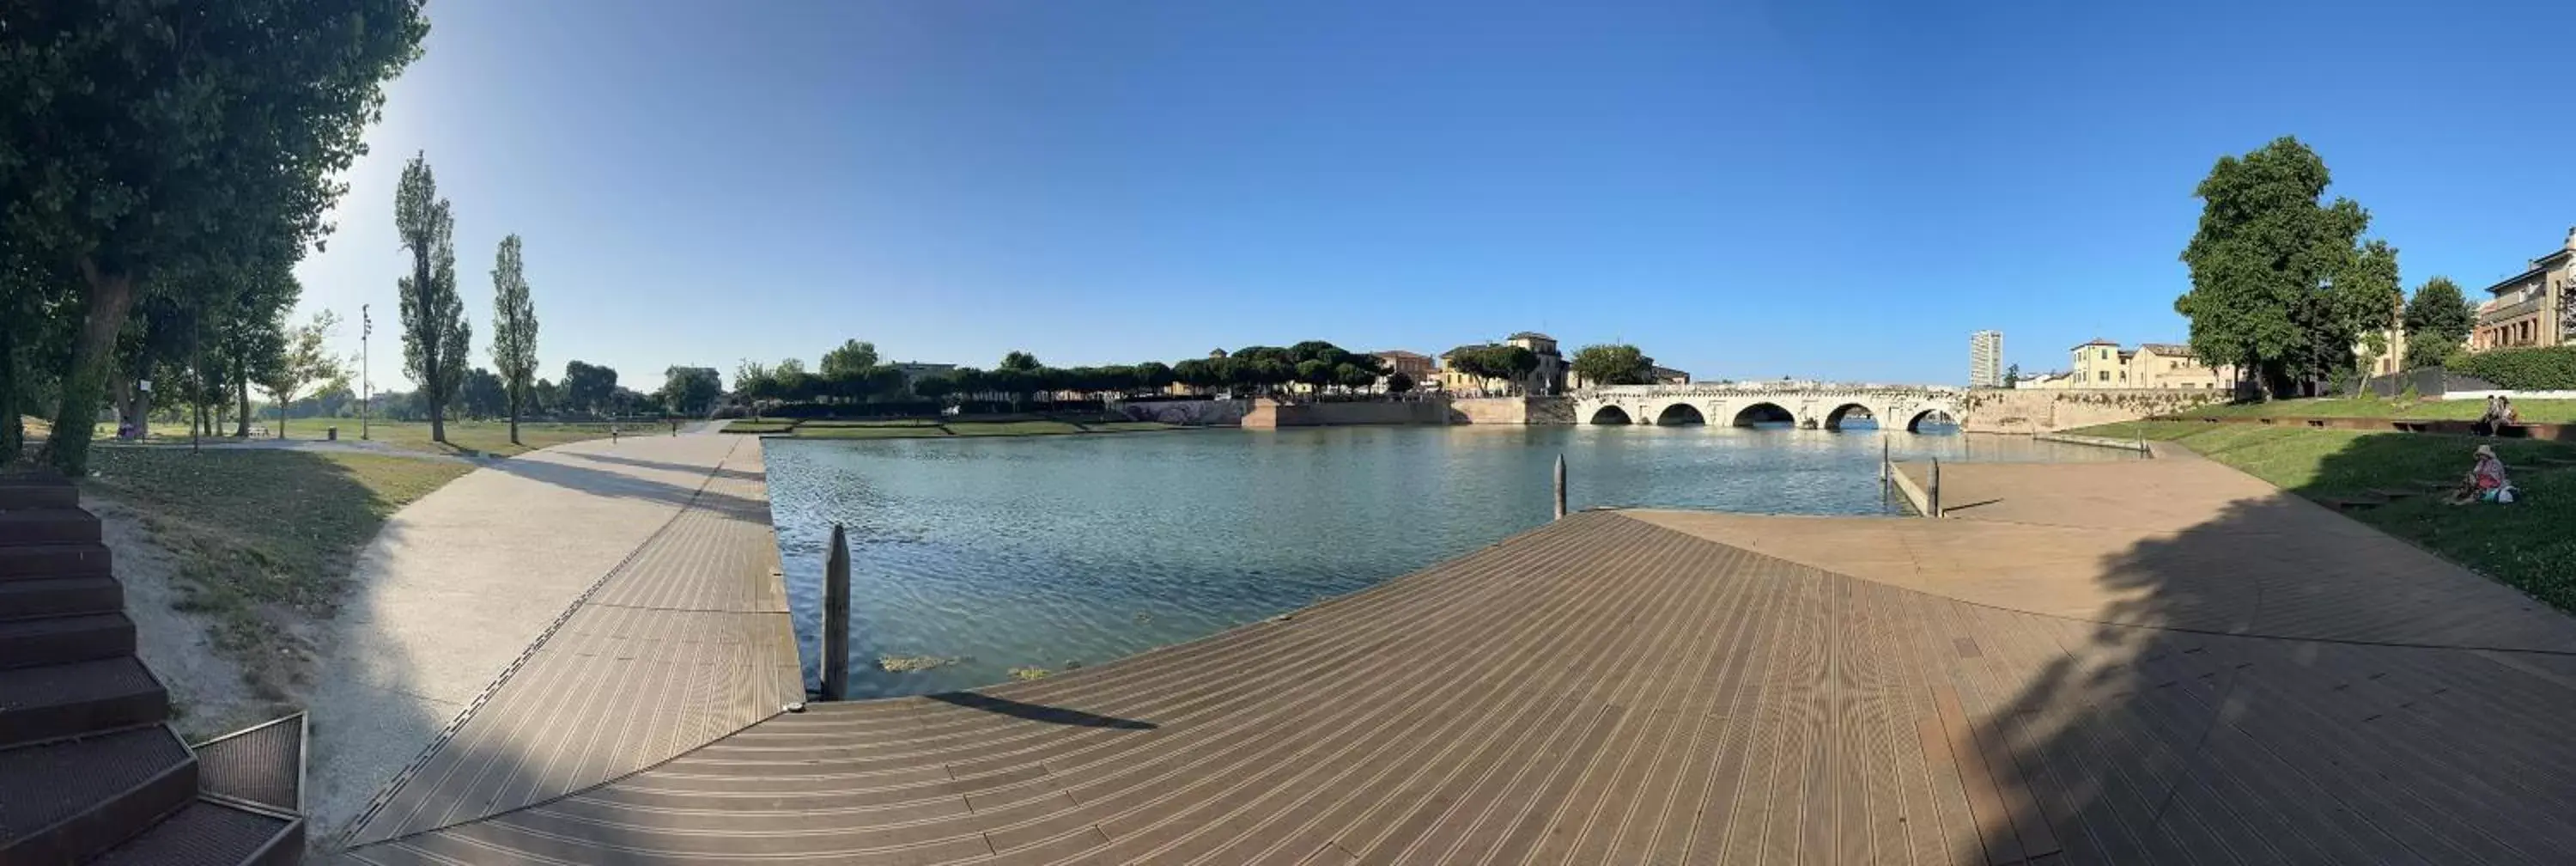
(1744, 190)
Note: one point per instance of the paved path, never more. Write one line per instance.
(2124, 683)
(458, 585)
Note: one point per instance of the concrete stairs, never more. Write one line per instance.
(89, 769)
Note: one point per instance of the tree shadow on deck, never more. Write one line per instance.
(1038, 713)
(720, 472)
(2280, 683)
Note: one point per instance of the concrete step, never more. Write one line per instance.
(26, 561)
(70, 800)
(215, 834)
(28, 643)
(47, 526)
(59, 596)
(57, 701)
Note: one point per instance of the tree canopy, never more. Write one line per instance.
(165, 148)
(2438, 321)
(1504, 361)
(848, 359)
(1612, 364)
(690, 390)
(305, 362)
(436, 337)
(514, 328)
(589, 388)
(2281, 287)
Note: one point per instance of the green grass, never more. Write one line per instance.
(759, 426)
(2541, 411)
(263, 539)
(2525, 544)
(469, 438)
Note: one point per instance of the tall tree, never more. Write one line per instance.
(514, 329)
(690, 390)
(307, 361)
(2012, 375)
(2367, 302)
(2263, 264)
(2438, 321)
(145, 140)
(849, 359)
(436, 337)
(590, 388)
(482, 395)
(1612, 364)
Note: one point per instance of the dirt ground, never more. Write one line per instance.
(209, 694)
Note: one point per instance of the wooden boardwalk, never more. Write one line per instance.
(1616, 687)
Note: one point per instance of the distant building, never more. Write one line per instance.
(2530, 308)
(915, 371)
(1548, 378)
(2103, 364)
(1986, 359)
(1414, 365)
(1667, 375)
(2037, 381)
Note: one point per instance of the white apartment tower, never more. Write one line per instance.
(1986, 359)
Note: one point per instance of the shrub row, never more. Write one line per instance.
(2544, 368)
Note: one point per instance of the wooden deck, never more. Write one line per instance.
(1616, 687)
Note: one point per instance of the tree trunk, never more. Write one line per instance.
(514, 416)
(284, 402)
(93, 353)
(13, 430)
(241, 389)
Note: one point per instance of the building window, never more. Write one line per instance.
(2102, 375)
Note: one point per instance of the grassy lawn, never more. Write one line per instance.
(2526, 544)
(2543, 411)
(470, 438)
(264, 539)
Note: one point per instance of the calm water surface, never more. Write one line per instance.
(1045, 551)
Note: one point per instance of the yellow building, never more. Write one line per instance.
(2101, 364)
(1414, 365)
(2171, 365)
(2528, 308)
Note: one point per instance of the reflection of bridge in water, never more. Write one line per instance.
(1826, 407)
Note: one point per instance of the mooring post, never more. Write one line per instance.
(1935, 494)
(1560, 486)
(836, 617)
(1884, 454)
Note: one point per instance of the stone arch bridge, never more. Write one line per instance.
(1824, 407)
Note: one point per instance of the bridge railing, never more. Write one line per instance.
(1699, 390)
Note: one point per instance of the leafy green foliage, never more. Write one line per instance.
(1504, 361)
(2540, 368)
(589, 388)
(1612, 364)
(849, 359)
(159, 148)
(2438, 320)
(514, 327)
(690, 390)
(306, 361)
(2266, 263)
(436, 337)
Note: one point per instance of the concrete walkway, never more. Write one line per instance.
(457, 586)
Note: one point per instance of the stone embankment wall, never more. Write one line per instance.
(2005, 410)
(1217, 413)
(1511, 410)
(1266, 414)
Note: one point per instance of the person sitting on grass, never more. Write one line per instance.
(2486, 481)
(2495, 414)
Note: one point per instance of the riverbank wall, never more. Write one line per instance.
(2029, 410)
(1270, 414)
(1511, 410)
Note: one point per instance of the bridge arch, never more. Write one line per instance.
(1610, 414)
(1764, 413)
(1679, 414)
(1847, 412)
(1933, 414)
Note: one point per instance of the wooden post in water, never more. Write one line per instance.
(1934, 495)
(836, 617)
(1560, 486)
(1883, 456)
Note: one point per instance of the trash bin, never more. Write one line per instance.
(331, 434)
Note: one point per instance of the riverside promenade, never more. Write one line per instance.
(2160, 661)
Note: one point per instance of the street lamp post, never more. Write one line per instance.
(366, 389)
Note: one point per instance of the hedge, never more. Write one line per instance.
(2544, 368)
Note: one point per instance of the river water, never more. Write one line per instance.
(1048, 551)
